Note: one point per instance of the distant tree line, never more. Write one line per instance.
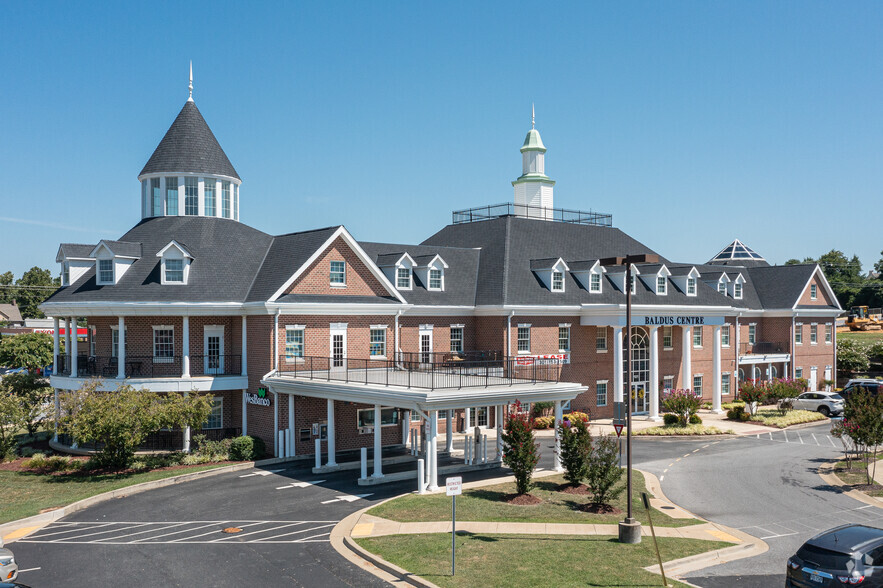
(29, 291)
(850, 285)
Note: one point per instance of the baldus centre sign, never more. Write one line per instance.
(684, 321)
(260, 399)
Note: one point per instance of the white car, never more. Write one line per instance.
(8, 567)
(827, 403)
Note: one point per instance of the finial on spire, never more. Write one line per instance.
(533, 113)
(190, 87)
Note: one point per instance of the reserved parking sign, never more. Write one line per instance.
(454, 486)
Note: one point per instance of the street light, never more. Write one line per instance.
(629, 529)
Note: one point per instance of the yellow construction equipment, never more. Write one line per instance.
(862, 319)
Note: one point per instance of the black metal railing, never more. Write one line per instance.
(169, 440)
(762, 348)
(149, 366)
(562, 215)
(436, 373)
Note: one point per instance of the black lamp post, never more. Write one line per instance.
(629, 529)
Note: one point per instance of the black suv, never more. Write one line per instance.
(872, 386)
(848, 555)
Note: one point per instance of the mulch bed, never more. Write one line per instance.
(593, 508)
(580, 489)
(18, 465)
(522, 499)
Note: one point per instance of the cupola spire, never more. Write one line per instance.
(190, 87)
(533, 189)
(533, 116)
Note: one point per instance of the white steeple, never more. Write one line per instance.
(533, 189)
(190, 87)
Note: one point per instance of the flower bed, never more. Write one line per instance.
(671, 430)
(772, 417)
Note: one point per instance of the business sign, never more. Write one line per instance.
(681, 321)
(259, 399)
(548, 359)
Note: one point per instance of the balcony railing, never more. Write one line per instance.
(148, 366)
(425, 371)
(762, 348)
(561, 215)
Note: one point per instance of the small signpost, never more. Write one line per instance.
(453, 488)
(618, 428)
(646, 501)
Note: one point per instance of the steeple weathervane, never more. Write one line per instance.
(190, 87)
(533, 112)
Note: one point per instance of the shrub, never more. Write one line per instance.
(576, 449)
(852, 356)
(695, 420)
(212, 450)
(246, 448)
(683, 403)
(55, 463)
(28, 451)
(520, 450)
(541, 408)
(12, 417)
(576, 416)
(544, 422)
(670, 419)
(195, 459)
(752, 391)
(604, 471)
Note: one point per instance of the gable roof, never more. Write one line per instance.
(189, 146)
(780, 286)
(74, 251)
(119, 248)
(10, 312)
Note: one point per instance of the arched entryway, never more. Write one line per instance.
(640, 393)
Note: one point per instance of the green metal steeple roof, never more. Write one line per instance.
(533, 142)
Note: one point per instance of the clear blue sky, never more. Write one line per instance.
(693, 123)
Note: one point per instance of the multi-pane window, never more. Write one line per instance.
(666, 337)
(660, 284)
(457, 339)
(557, 281)
(601, 393)
(378, 343)
(601, 339)
(216, 417)
(294, 343)
(209, 191)
(813, 291)
(478, 416)
(697, 337)
(691, 286)
(827, 333)
(798, 372)
(725, 336)
(632, 284)
(737, 291)
(156, 196)
(563, 338)
(105, 271)
(388, 416)
(697, 385)
(595, 283)
(668, 382)
(403, 278)
(191, 196)
(225, 199)
(524, 339)
(65, 273)
(115, 342)
(813, 334)
(235, 202)
(725, 384)
(338, 272)
(145, 199)
(798, 334)
(172, 196)
(163, 344)
(175, 270)
(722, 287)
(435, 279)
(752, 334)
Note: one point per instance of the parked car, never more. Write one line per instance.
(8, 567)
(872, 386)
(827, 403)
(848, 555)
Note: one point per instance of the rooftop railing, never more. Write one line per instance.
(149, 366)
(762, 348)
(561, 215)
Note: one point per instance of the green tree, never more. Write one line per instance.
(604, 471)
(12, 418)
(576, 450)
(520, 450)
(120, 420)
(852, 356)
(863, 419)
(878, 267)
(33, 288)
(30, 350)
(33, 392)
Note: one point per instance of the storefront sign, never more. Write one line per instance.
(548, 359)
(682, 321)
(260, 399)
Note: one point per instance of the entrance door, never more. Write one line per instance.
(213, 360)
(813, 378)
(425, 345)
(639, 397)
(338, 347)
(828, 376)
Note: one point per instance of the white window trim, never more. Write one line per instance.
(664, 286)
(337, 284)
(729, 379)
(382, 408)
(701, 383)
(701, 334)
(556, 272)
(569, 335)
(98, 280)
(829, 333)
(729, 336)
(813, 292)
(518, 328)
(798, 333)
(410, 271)
(671, 338)
(814, 329)
(606, 392)
(694, 282)
(295, 359)
(592, 290)
(156, 358)
(606, 341)
(738, 289)
(462, 329)
(441, 272)
(377, 328)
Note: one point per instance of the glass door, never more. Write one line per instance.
(213, 361)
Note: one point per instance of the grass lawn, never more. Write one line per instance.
(869, 337)
(484, 504)
(773, 418)
(25, 494)
(534, 560)
(667, 430)
(856, 476)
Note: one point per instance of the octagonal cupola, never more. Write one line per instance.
(533, 188)
(189, 174)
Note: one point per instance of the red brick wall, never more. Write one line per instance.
(822, 297)
(359, 279)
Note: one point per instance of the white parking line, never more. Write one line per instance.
(785, 433)
(115, 537)
(814, 439)
(831, 440)
(239, 535)
(187, 530)
(265, 539)
(799, 437)
(29, 570)
(96, 533)
(262, 473)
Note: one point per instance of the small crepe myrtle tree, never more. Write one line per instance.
(752, 393)
(863, 422)
(683, 403)
(520, 450)
(576, 449)
(604, 471)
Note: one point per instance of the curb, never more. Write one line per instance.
(826, 473)
(33, 523)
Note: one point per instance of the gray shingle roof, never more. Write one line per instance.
(189, 146)
(336, 299)
(124, 248)
(74, 250)
(780, 286)
(10, 313)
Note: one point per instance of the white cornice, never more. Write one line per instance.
(236, 181)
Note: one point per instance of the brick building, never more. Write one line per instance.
(315, 335)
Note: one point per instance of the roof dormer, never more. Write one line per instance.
(551, 272)
(430, 270)
(175, 260)
(655, 277)
(736, 286)
(589, 274)
(398, 268)
(75, 260)
(686, 278)
(616, 273)
(723, 284)
(113, 259)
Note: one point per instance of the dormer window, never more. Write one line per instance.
(175, 263)
(403, 278)
(691, 286)
(66, 274)
(435, 279)
(550, 272)
(557, 281)
(722, 287)
(632, 284)
(813, 292)
(661, 285)
(595, 283)
(105, 271)
(174, 271)
(737, 291)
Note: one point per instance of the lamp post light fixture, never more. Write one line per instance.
(629, 529)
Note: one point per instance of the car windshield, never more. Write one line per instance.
(823, 558)
(836, 397)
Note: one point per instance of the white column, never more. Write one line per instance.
(378, 443)
(73, 347)
(56, 344)
(280, 451)
(654, 373)
(186, 431)
(499, 423)
(67, 339)
(244, 414)
(185, 347)
(406, 427)
(121, 348)
(433, 450)
(244, 347)
(467, 424)
(57, 409)
(449, 431)
(686, 360)
(291, 423)
(331, 448)
(559, 416)
(716, 373)
(617, 364)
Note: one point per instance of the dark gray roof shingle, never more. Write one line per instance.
(74, 251)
